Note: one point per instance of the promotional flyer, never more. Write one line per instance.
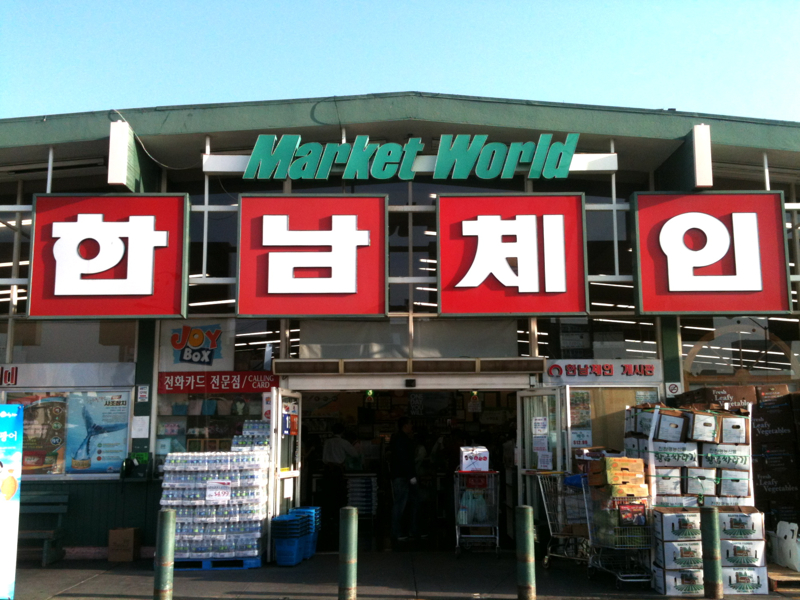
(11, 418)
(97, 431)
(45, 417)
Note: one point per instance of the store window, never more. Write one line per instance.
(740, 350)
(73, 341)
(75, 432)
(596, 338)
(213, 374)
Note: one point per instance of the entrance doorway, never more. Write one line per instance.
(441, 421)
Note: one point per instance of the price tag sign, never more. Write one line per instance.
(581, 438)
(218, 491)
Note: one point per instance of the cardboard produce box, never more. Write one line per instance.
(701, 481)
(681, 582)
(629, 491)
(743, 553)
(673, 454)
(676, 524)
(703, 427)
(728, 501)
(744, 580)
(474, 458)
(740, 523)
(124, 544)
(669, 481)
(644, 421)
(616, 464)
(631, 445)
(734, 430)
(774, 421)
(617, 478)
(679, 555)
(671, 426)
(736, 396)
(733, 482)
(676, 502)
(771, 392)
(726, 456)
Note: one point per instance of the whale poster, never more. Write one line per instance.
(97, 431)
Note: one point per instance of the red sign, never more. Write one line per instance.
(512, 255)
(312, 256)
(711, 253)
(107, 256)
(219, 382)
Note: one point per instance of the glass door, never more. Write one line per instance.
(543, 434)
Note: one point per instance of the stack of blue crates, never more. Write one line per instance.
(288, 531)
(313, 518)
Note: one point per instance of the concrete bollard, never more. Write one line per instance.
(348, 553)
(526, 565)
(165, 555)
(712, 556)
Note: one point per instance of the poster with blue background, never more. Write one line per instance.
(97, 431)
(10, 470)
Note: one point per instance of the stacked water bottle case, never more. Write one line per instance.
(220, 503)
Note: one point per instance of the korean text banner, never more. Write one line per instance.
(313, 255)
(98, 256)
(10, 469)
(711, 253)
(521, 254)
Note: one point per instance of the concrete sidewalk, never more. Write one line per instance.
(406, 576)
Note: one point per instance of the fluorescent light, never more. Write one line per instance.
(427, 289)
(11, 264)
(428, 260)
(433, 233)
(255, 333)
(619, 285)
(212, 302)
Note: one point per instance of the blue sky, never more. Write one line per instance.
(729, 57)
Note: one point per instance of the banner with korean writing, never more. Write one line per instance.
(11, 422)
(244, 382)
(97, 431)
(603, 372)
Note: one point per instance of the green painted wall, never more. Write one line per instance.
(97, 506)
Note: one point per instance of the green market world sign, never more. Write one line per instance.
(457, 158)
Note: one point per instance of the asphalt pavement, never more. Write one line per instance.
(381, 575)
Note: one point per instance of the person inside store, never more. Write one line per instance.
(335, 453)
(402, 452)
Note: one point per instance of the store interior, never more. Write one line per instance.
(442, 422)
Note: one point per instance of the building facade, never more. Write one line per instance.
(384, 255)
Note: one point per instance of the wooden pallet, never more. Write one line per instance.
(217, 564)
(781, 578)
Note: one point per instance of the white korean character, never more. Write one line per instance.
(343, 238)
(142, 240)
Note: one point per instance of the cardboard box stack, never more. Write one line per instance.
(701, 456)
(619, 497)
(776, 481)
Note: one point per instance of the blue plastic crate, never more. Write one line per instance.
(289, 552)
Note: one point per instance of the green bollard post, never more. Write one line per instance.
(348, 553)
(165, 555)
(712, 561)
(526, 565)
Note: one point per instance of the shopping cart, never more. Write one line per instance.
(477, 510)
(619, 535)
(565, 508)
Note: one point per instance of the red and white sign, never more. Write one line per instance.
(312, 256)
(107, 256)
(512, 254)
(712, 253)
(217, 382)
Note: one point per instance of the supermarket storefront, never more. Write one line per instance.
(441, 272)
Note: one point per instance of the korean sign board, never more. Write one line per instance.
(516, 254)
